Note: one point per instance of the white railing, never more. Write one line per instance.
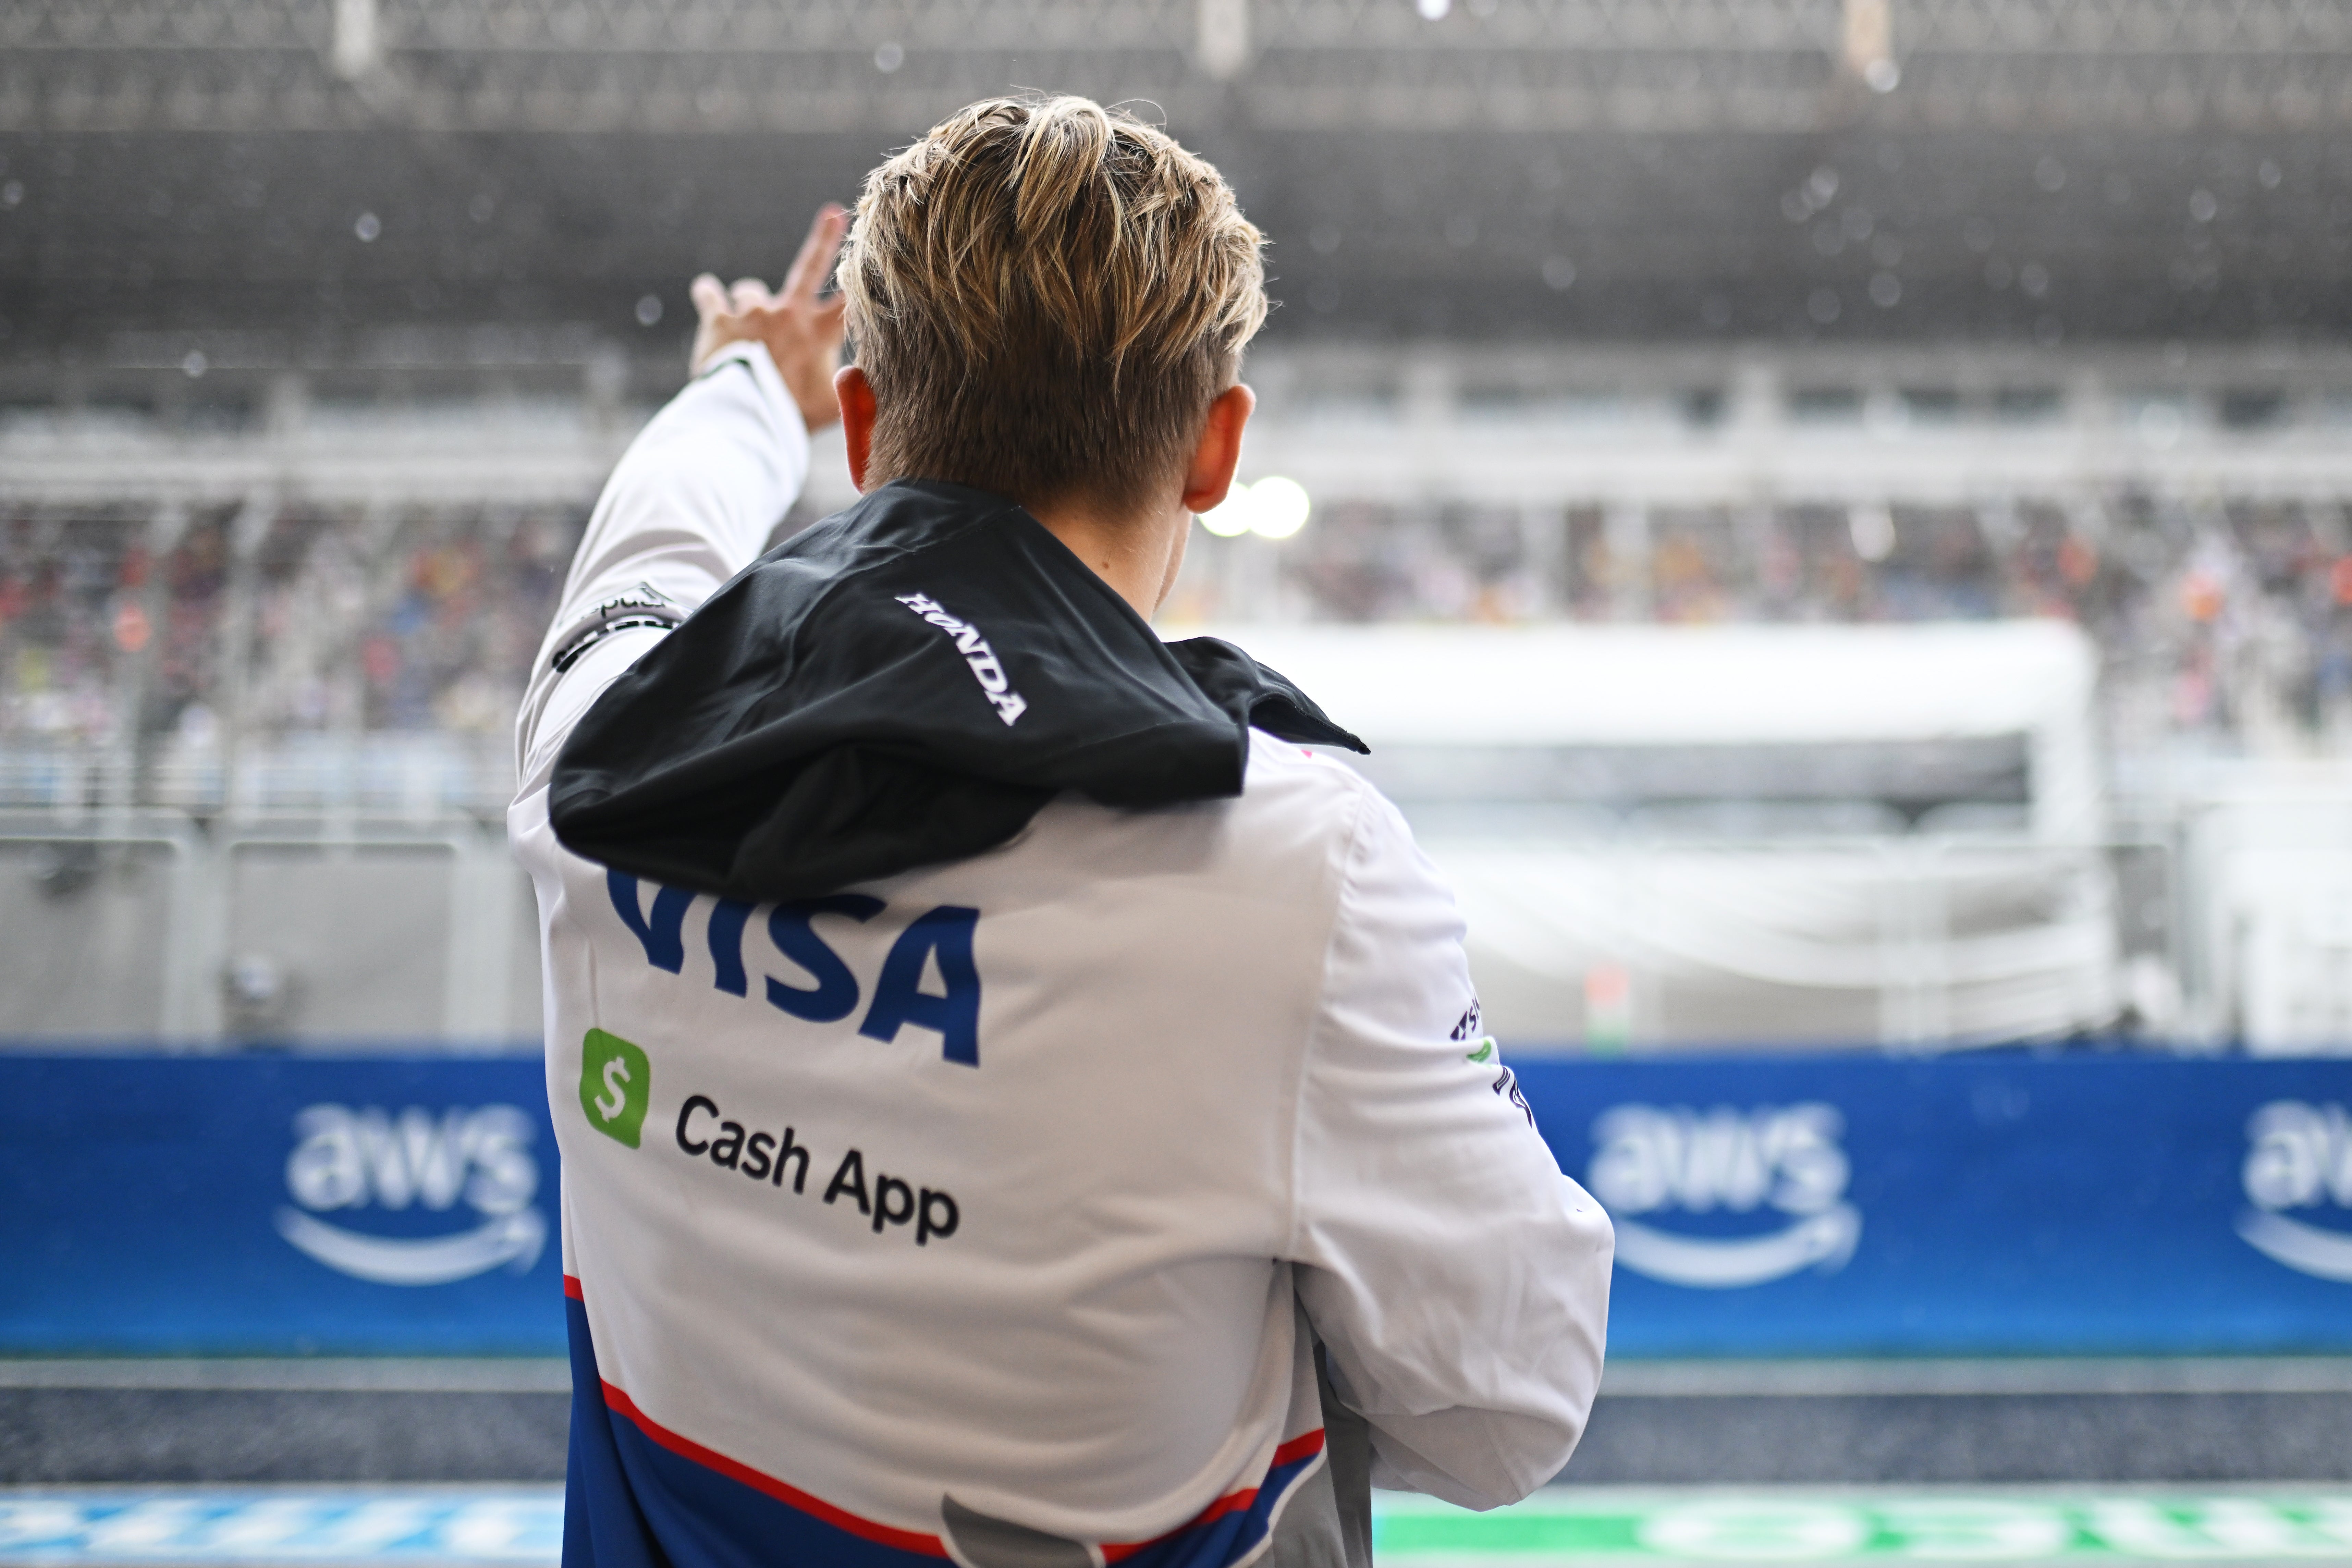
(412, 777)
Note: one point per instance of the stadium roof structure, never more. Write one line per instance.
(1564, 171)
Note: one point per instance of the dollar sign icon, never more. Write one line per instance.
(616, 1073)
(615, 1085)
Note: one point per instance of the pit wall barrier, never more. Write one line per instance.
(390, 1205)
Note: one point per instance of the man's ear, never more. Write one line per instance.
(856, 395)
(1211, 472)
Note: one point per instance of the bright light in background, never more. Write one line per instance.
(1229, 518)
(1278, 507)
(1274, 508)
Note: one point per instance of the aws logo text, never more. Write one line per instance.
(1652, 1160)
(350, 1160)
(815, 985)
(2299, 1156)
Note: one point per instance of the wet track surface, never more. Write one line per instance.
(1812, 1424)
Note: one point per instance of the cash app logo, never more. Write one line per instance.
(615, 1085)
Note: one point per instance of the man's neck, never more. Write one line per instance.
(1138, 556)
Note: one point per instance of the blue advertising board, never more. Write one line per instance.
(1974, 1205)
(1788, 1205)
(278, 1206)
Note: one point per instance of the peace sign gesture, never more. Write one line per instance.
(801, 332)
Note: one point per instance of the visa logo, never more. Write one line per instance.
(813, 983)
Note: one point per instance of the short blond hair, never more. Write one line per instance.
(1046, 295)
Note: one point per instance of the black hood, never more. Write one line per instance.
(904, 683)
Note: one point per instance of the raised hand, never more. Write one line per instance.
(801, 331)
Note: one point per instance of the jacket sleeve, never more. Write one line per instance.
(691, 504)
(1459, 1281)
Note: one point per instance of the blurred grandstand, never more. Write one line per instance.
(321, 320)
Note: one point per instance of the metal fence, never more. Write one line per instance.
(211, 932)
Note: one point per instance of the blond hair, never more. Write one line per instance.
(1046, 295)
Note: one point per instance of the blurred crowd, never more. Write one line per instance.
(185, 630)
(2223, 627)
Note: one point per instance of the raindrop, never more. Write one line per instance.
(1857, 222)
(2050, 174)
(11, 193)
(1822, 185)
(368, 228)
(1433, 10)
(1795, 208)
(1886, 251)
(889, 57)
(1872, 528)
(1559, 271)
(2270, 175)
(1462, 230)
(1885, 289)
(1827, 239)
(196, 365)
(480, 208)
(2202, 206)
(1823, 306)
(1323, 237)
(649, 311)
(1882, 74)
(2035, 278)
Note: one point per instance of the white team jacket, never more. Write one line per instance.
(971, 1212)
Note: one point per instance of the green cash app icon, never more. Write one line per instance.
(616, 1083)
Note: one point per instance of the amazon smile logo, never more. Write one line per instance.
(2299, 1156)
(1781, 1163)
(368, 1161)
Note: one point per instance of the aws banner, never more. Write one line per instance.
(1821, 1205)
(1988, 1205)
(278, 1206)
